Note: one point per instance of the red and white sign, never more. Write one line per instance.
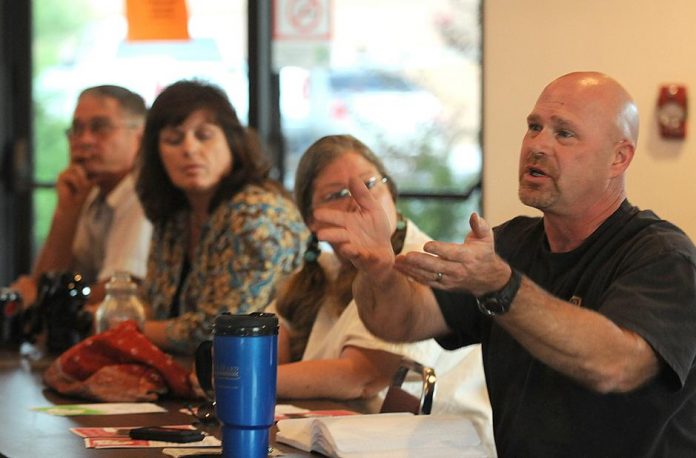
(302, 20)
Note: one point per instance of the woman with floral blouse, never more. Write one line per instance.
(224, 232)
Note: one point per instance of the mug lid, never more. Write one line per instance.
(254, 324)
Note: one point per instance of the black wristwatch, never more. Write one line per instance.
(498, 302)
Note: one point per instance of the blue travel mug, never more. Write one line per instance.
(245, 361)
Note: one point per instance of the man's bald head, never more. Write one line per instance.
(581, 139)
(603, 94)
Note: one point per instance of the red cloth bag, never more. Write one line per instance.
(118, 365)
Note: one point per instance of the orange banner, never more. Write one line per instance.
(157, 20)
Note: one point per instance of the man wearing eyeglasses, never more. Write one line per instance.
(98, 226)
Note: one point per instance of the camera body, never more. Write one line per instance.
(10, 317)
(58, 311)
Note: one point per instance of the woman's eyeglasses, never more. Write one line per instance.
(342, 194)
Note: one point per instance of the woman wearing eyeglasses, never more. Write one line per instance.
(224, 233)
(324, 349)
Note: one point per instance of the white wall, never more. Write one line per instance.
(641, 43)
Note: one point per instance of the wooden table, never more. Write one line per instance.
(25, 433)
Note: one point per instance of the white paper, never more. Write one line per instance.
(106, 408)
(284, 409)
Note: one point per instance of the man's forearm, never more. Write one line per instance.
(56, 253)
(396, 308)
(579, 342)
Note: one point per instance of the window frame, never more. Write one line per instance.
(16, 230)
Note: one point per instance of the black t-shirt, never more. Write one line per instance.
(638, 271)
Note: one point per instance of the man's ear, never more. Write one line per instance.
(623, 155)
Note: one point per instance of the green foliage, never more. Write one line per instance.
(423, 164)
(50, 145)
(56, 28)
(56, 25)
(445, 220)
(44, 204)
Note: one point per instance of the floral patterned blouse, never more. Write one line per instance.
(247, 245)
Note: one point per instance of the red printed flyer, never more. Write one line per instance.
(117, 437)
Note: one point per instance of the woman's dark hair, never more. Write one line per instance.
(159, 197)
(301, 297)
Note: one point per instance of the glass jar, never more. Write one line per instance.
(120, 304)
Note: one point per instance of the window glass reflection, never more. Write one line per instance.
(405, 78)
(81, 43)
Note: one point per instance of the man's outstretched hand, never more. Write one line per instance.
(472, 266)
(362, 235)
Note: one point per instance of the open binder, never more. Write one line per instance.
(390, 435)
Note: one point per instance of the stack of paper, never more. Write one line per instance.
(383, 435)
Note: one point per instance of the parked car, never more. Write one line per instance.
(380, 108)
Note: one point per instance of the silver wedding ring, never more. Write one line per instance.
(438, 276)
